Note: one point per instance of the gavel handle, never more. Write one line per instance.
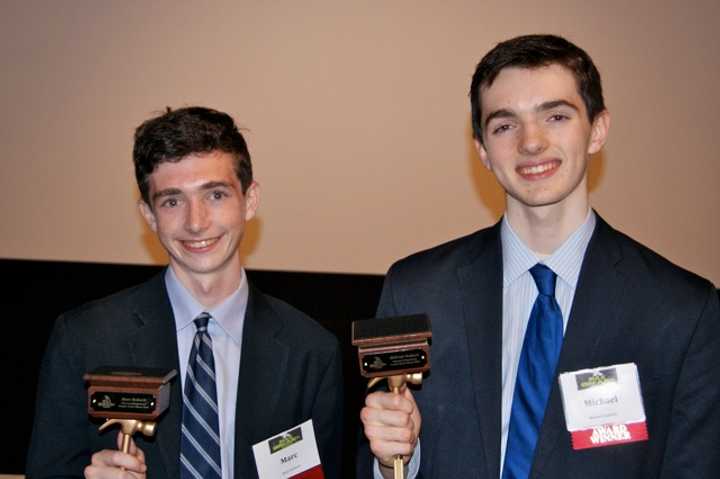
(398, 468)
(396, 383)
(126, 442)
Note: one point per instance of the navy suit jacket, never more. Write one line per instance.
(290, 371)
(630, 305)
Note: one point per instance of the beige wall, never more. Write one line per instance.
(357, 119)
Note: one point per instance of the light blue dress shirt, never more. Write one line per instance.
(225, 329)
(519, 293)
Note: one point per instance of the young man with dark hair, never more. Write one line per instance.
(550, 289)
(250, 366)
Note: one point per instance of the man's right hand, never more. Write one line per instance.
(109, 464)
(392, 425)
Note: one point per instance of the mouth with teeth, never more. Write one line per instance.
(538, 171)
(200, 246)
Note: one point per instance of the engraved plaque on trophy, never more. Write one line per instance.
(392, 346)
(131, 397)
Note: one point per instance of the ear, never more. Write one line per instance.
(252, 200)
(148, 214)
(599, 131)
(483, 154)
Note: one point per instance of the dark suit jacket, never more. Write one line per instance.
(630, 305)
(290, 371)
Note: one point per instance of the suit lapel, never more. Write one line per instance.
(481, 291)
(594, 312)
(263, 365)
(154, 344)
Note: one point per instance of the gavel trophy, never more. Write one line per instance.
(396, 349)
(131, 397)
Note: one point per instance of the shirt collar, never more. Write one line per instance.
(229, 314)
(564, 261)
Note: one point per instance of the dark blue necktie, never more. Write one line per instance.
(200, 440)
(536, 370)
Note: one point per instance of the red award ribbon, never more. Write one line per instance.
(312, 473)
(609, 435)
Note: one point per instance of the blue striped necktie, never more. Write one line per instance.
(200, 441)
(536, 370)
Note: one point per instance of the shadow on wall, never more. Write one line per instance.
(596, 170)
(486, 186)
(251, 238)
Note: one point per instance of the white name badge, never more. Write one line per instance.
(290, 454)
(603, 406)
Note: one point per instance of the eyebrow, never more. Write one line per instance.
(549, 105)
(215, 184)
(177, 191)
(545, 106)
(166, 192)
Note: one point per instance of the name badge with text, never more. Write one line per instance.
(292, 454)
(603, 406)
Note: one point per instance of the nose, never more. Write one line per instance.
(198, 218)
(532, 140)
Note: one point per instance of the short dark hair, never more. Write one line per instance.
(534, 51)
(175, 134)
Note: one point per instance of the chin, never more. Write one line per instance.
(193, 266)
(539, 202)
(542, 197)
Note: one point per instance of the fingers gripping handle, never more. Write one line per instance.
(396, 384)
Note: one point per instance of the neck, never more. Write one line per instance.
(213, 288)
(545, 228)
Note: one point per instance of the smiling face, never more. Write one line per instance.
(198, 211)
(537, 137)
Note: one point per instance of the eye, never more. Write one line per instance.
(169, 203)
(558, 117)
(218, 194)
(500, 129)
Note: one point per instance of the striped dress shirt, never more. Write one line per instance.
(520, 292)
